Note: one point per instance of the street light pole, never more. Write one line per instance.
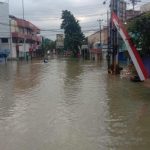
(114, 37)
(108, 56)
(100, 22)
(108, 41)
(23, 31)
(134, 2)
(23, 8)
(10, 39)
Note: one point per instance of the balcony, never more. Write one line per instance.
(30, 37)
(27, 24)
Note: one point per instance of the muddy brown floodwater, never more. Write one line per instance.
(71, 105)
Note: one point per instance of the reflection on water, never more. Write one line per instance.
(71, 105)
(129, 109)
(27, 76)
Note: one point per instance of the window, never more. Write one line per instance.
(4, 40)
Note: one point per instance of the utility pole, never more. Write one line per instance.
(108, 56)
(114, 37)
(134, 2)
(23, 31)
(100, 23)
(10, 42)
(108, 41)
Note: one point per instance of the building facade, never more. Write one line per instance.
(132, 13)
(4, 31)
(95, 37)
(25, 39)
(59, 41)
(94, 44)
(19, 38)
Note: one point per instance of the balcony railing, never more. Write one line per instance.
(26, 36)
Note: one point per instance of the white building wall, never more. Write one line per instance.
(4, 26)
(21, 50)
(4, 20)
(13, 48)
(14, 27)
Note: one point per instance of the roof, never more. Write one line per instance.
(104, 28)
(138, 16)
(24, 23)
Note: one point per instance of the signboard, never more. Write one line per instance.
(59, 41)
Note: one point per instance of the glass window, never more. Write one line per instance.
(4, 40)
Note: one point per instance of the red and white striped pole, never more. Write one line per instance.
(137, 61)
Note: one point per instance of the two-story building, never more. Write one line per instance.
(19, 38)
(96, 48)
(25, 39)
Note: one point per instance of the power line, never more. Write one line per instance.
(52, 30)
(37, 18)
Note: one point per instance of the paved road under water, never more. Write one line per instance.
(71, 105)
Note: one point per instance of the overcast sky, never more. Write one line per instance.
(46, 14)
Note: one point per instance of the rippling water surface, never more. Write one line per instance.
(71, 105)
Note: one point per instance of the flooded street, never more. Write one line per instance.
(71, 105)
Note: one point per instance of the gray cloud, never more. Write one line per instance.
(46, 14)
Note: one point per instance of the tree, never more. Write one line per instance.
(51, 45)
(73, 34)
(139, 29)
(46, 45)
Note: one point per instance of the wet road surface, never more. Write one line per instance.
(71, 105)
